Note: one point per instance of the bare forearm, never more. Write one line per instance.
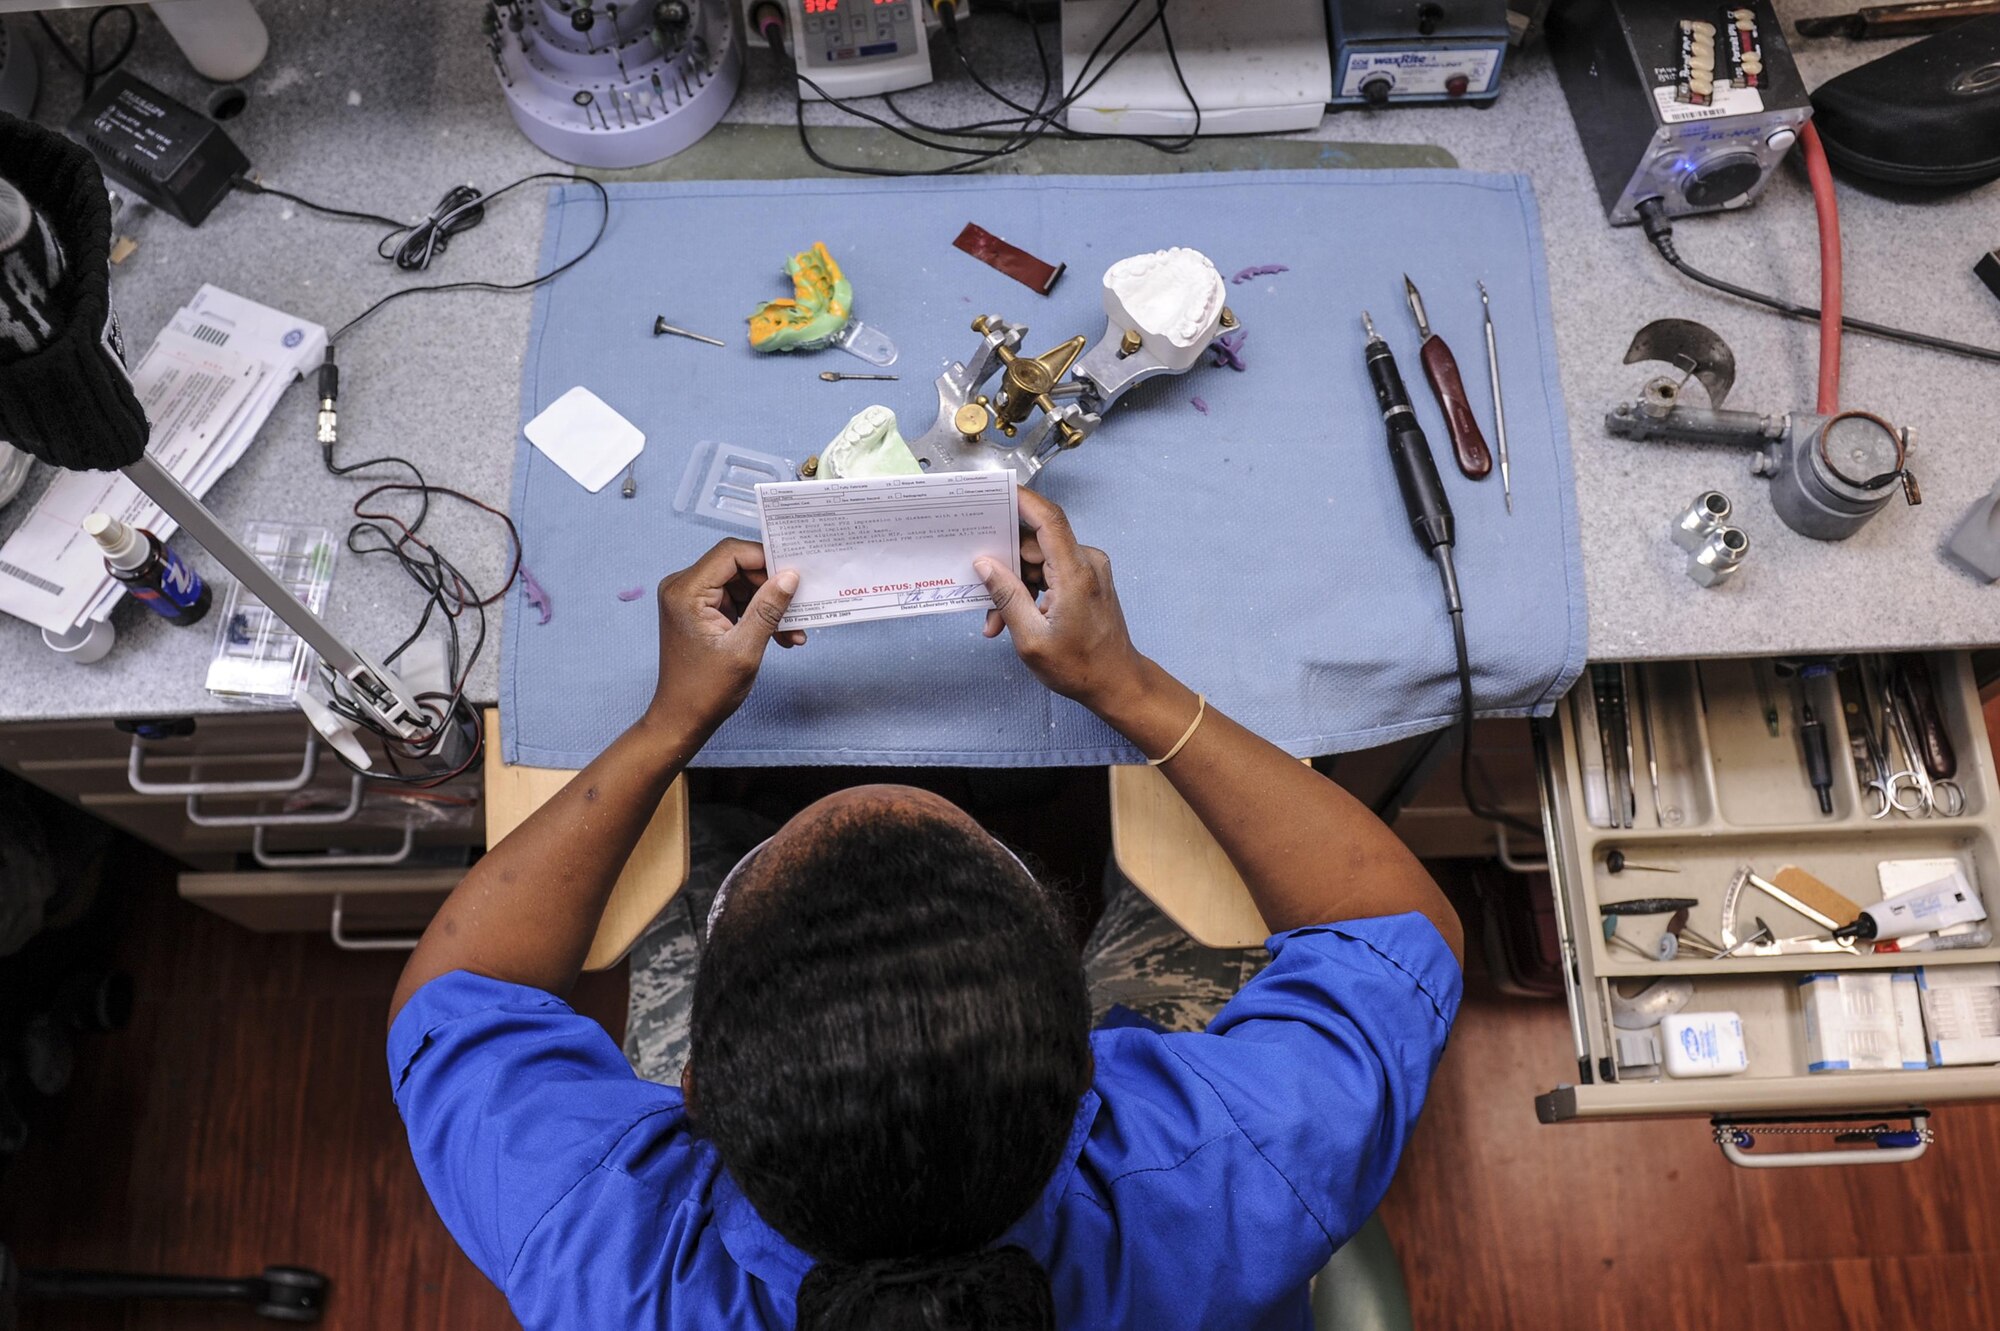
(1309, 852)
(529, 909)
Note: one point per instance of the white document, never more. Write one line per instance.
(580, 433)
(51, 574)
(888, 546)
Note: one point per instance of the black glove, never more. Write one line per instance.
(71, 402)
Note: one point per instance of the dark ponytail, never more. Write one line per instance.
(890, 1039)
(997, 1290)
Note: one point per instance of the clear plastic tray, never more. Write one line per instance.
(720, 484)
(257, 659)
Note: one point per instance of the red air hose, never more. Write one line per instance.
(1828, 209)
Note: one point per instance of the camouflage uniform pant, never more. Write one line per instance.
(1136, 957)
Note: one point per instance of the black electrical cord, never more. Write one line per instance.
(449, 594)
(1029, 127)
(461, 209)
(87, 67)
(1478, 806)
(982, 129)
(445, 221)
(249, 186)
(1660, 231)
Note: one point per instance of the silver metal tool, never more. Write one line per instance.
(631, 485)
(1499, 412)
(1717, 558)
(660, 325)
(1710, 509)
(617, 43)
(841, 376)
(373, 686)
(1644, 698)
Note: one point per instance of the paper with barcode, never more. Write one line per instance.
(889, 546)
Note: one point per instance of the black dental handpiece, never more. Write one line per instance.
(1416, 470)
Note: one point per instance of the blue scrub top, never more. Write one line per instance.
(1206, 1179)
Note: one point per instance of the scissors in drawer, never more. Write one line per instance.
(1915, 788)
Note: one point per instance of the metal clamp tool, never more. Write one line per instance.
(1044, 405)
(1829, 474)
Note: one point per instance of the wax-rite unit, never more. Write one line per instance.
(1162, 311)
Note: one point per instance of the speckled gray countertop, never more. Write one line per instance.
(382, 113)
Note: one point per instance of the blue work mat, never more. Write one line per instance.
(1262, 552)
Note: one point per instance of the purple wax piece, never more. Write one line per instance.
(531, 591)
(1228, 349)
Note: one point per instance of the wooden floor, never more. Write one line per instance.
(245, 1119)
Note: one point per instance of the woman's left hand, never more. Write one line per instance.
(716, 615)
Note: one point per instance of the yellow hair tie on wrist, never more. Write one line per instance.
(1201, 710)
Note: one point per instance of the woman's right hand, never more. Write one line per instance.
(1074, 640)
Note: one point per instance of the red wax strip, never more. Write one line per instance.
(1012, 260)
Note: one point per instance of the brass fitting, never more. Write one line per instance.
(972, 419)
(810, 467)
(1029, 378)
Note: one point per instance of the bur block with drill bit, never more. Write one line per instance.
(614, 85)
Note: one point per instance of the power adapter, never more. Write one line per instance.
(167, 153)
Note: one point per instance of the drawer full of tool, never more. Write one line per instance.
(1772, 880)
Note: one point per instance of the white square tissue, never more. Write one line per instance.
(586, 438)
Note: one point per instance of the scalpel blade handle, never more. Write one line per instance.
(1467, 443)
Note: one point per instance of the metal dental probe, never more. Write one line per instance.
(1499, 412)
(1416, 470)
(660, 325)
(838, 376)
(1441, 368)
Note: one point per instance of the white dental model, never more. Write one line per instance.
(868, 445)
(1172, 298)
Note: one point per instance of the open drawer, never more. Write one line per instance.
(1733, 790)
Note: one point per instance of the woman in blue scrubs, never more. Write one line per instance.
(894, 1113)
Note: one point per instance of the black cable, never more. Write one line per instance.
(449, 594)
(1032, 126)
(1654, 222)
(87, 68)
(249, 186)
(94, 71)
(461, 209)
(444, 221)
(1478, 806)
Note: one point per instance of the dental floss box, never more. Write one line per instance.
(1703, 1044)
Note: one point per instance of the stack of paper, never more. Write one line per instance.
(208, 383)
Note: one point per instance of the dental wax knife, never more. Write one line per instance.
(1441, 368)
(1416, 470)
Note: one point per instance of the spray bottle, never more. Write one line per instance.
(149, 570)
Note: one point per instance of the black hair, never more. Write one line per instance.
(890, 1039)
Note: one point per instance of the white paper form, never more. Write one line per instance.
(51, 574)
(889, 546)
